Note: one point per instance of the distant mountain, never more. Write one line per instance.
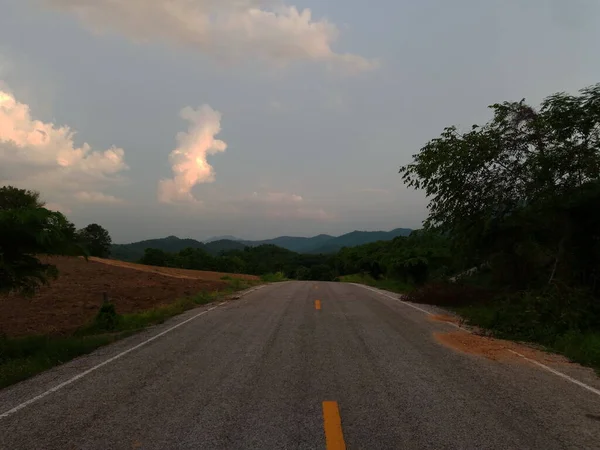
(295, 244)
(227, 237)
(223, 245)
(356, 238)
(135, 250)
(322, 243)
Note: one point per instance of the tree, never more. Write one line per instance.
(508, 193)
(518, 158)
(26, 231)
(155, 257)
(15, 198)
(96, 240)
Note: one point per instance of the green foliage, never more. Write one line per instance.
(562, 319)
(15, 198)
(96, 240)
(21, 358)
(107, 318)
(389, 284)
(357, 238)
(273, 277)
(415, 259)
(223, 245)
(518, 199)
(321, 244)
(135, 251)
(24, 234)
(412, 259)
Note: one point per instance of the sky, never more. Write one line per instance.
(260, 118)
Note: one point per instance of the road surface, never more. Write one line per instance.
(277, 370)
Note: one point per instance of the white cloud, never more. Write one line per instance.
(97, 197)
(188, 160)
(232, 29)
(43, 156)
(285, 205)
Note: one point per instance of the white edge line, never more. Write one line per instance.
(539, 364)
(556, 372)
(394, 298)
(108, 361)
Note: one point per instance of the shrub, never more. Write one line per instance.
(107, 318)
(273, 277)
(450, 294)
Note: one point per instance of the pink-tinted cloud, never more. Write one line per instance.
(43, 156)
(188, 161)
(237, 29)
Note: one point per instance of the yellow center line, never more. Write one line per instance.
(318, 305)
(334, 438)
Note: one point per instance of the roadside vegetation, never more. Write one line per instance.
(23, 357)
(29, 233)
(517, 201)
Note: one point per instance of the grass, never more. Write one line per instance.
(559, 319)
(387, 284)
(582, 347)
(273, 277)
(21, 358)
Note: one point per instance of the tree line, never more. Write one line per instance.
(413, 259)
(28, 230)
(518, 199)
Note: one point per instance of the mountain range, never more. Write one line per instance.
(323, 243)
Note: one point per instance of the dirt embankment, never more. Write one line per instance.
(74, 298)
(495, 349)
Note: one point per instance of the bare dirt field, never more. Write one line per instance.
(171, 272)
(75, 297)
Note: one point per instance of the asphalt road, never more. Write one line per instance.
(271, 371)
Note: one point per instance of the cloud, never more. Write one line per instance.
(97, 197)
(285, 205)
(188, 160)
(231, 29)
(43, 156)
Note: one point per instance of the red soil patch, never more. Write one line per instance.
(75, 297)
(445, 318)
(494, 349)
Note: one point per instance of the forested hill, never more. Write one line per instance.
(325, 243)
(135, 250)
(356, 238)
(322, 243)
(295, 244)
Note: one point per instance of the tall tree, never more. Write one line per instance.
(96, 240)
(520, 156)
(501, 189)
(15, 198)
(26, 231)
